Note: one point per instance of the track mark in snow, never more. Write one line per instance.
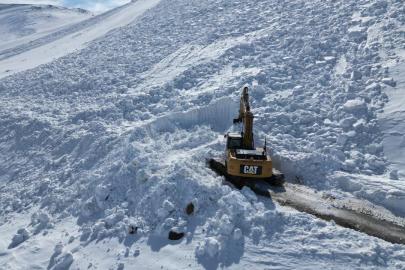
(354, 214)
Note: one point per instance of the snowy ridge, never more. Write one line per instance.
(69, 39)
(114, 137)
(22, 24)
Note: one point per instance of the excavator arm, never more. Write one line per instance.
(246, 116)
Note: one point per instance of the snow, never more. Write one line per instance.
(106, 127)
(24, 23)
(72, 39)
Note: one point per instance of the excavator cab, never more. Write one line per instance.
(234, 141)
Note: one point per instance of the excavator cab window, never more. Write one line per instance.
(235, 143)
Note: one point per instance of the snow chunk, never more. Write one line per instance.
(211, 246)
(168, 206)
(330, 59)
(249, 194)
(354, 105)
(350, 164)
(226, 226)
(142, 175)
(21, 236)
(101, 195)
(318, 143)
(375, 163)
(356, 75)
(335, 152)
(355, 32)
(196, 204)
(65, 261)
(373, 86)
(346, 123)
(35, 218)
(88, 208)
(394, 175)
(162, 213)
(58, 248)
(44, 218)
(389, 81)
(342, 138)
(237, 234)
(396, 192)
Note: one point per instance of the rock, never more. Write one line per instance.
(359, 125)
(190, 209)
(132, 229)
(175, 236)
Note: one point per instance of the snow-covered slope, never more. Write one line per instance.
(69, 39)
(24, 23)
(115, 136)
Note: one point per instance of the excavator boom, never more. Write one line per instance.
(246, 116)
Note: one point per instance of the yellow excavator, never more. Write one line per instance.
(243, 162)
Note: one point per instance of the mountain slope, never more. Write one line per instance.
(115, 137)
(24, 23)
(68, 39)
